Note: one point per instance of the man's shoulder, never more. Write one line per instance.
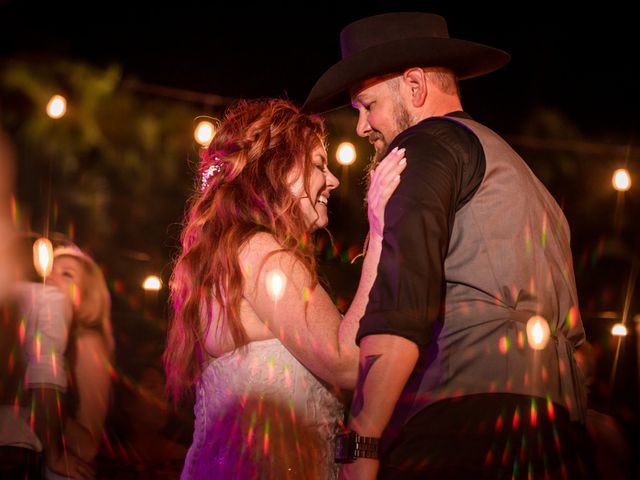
(438, 134)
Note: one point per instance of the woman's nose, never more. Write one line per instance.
(332, 181)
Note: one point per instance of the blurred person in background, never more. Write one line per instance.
(36, 320)
(7, 231)
(605, 450)
(90, 349)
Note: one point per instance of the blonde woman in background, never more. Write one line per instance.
(90, 348)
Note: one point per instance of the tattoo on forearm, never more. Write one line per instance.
(365, 366)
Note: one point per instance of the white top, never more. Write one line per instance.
(259, 413)
(46, 312)
(45, 317)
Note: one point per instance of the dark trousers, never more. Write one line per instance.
(486, 436)
(20, 464)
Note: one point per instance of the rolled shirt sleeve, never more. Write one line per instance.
(442, 174)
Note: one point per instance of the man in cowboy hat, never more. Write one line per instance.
(466, 361)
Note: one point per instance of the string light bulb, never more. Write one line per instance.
(43, 256)
(204, 132)
(346, 153)
(57, 106)
(619, 330)
(152, 283)
(621, 180)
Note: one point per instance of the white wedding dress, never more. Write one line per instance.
(260, 414)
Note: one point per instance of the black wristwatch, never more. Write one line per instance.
(350, 446)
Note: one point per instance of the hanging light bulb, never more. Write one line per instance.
(204, 132)
(57, 107)
(152, 282)
(619, 330)
(346, 153)
(621, 180)
(43, 256)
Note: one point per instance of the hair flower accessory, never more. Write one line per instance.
(214, 169)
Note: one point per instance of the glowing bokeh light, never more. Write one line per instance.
(276, 283)
(43, 256)
(22, 329)
(306, 294)
(533, 418)
(152, 283)
(550, 410)
(543, 235)
(572, 317)
(515, 423)
(621, 180)
(346, 153)
(38, 345)
(54, 367)
(57, 106)
(503, 345)
(265, 439)
(204, 132)
(15, 213)
(537, 332)
(619, 330)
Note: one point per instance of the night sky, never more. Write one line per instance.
(580, 60)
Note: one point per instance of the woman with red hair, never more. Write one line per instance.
(253, 332)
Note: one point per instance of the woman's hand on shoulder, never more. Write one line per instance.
(384, 180)
(302, 316)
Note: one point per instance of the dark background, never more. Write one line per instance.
(116, 172)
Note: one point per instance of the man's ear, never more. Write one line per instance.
(416, 83)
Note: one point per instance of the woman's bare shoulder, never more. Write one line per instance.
(259, 244)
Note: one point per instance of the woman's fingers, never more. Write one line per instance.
(384, 180)
(385, 177)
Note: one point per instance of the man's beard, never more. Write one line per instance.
(402, 120)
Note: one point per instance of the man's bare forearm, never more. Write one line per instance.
(386, 362)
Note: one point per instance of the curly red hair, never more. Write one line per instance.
(247, 169)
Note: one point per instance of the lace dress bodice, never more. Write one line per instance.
(260, 414)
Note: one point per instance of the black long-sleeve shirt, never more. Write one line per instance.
(445, 166)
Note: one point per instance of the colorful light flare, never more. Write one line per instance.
(276, 284)
(538, 332)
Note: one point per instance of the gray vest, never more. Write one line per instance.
(509, 259)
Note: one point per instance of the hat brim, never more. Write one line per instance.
(72, 251)
(466, 59)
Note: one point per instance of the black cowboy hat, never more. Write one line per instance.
(392, 42)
